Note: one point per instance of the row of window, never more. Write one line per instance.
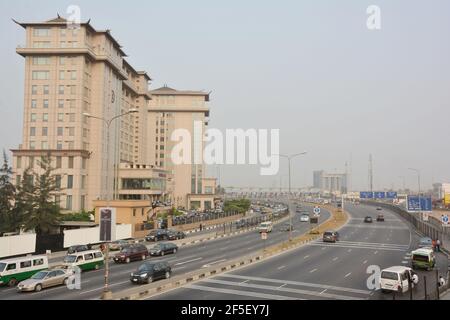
(46, 32)
(46, 61)
(59, 131)
(70, 145)
(46, 104)
(58, 162)
(60, 117)
(48, 44)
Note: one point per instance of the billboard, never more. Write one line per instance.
(379, 195)
(391, 195)
(107, 224)
(417, 204)
(366, 195)
(447, 199)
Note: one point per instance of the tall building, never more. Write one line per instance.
(169, 110)
(330, 182)
(70, 72)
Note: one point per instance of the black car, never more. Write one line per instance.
(380, 218)
(379, 208)
(368, 219)
(175, 235)
(78, 248)
(157, 235)
(151, 271)
(163, 248)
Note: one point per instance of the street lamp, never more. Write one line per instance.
(107, 294)
(290, 157)
(418, 176)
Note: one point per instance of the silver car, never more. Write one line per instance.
(44, 279)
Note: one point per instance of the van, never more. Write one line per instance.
(265, 227)
(397, 279)
(15, 270)
(86, 260)
(423, 258)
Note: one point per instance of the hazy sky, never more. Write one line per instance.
(310, 68)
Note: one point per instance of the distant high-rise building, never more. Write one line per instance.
(330, 182)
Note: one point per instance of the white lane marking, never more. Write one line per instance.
(223, 248)
(365, 261)
(250, 248)
(376, 251)
(242, 293)
(184, 262)
(347, 275)
(214, 262)
(101, 288)
(323, 291)
(405, 262)
(313, 270)
(335, 258)
(244, 281)
(283, 285)
(373, 244)
(305, 257)
(178, 268)
(281, 267)
(349, 250)
(323, 248)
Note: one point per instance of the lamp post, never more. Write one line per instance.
(418, 180)
(290, 157)
(107, 294)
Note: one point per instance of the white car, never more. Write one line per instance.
(304, 218)
(397, 279)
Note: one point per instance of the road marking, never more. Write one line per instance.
(101, 288)
(214, 262)
(244, 281)
(376, 251)
(282, 267)
(347, 275)
(335, 258)
(365, 261)
(405, 262)
(349, 250)
(323, 291)
(282, 286)
(313, 270)
(181, 263)
(323, 248)
(250, 248)
(223, 248)
(305, 257)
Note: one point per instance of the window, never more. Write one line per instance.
(58, 181)
(61, 89)
(72, 103)
(70, 163)
(83, 205)
(46, 89)
(41, 61)
(59, 145)
(45, 117)
(58, 162)
(59, 131)
(41, 75)
(60, 103)
(62, 60)
(38, 262)
(68, 202)
(34, 89)
(44, 145)
(62, 44)
(41, 44)
(41, 32)
(19, 162)
(83, 182)
(73, 75)
(32, 131)
(44, 131)
(25, 264)
(88, 256)
(62, 32)
(45, 104)
(61, 74)
(60, 117)
(71, 131)
(70, 145)
(33, 117)
(71, 117)
(11, 266)
(33, 104)
(69, 182)
(83, 163)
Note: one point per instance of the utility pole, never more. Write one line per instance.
(370, 173)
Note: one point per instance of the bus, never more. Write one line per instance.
(15, 270)
(86, 260)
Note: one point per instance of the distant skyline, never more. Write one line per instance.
(310, 68)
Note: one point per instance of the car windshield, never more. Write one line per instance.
(389, 275)
(40, 275)
(145, 267)
(328, 234)
(2, 266)
(419, 257)
(126, 250)
(157, 246)
(70, 259)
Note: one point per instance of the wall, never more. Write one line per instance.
(17, 245)
(92, 235)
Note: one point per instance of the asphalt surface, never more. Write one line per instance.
(323, 271)
(187, 259)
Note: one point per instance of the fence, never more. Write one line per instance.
(201, 217)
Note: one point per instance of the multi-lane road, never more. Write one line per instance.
(187, 259)
(322, 271)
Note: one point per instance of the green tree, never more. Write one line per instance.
(7, 194)
(45, 213)
(24, 200)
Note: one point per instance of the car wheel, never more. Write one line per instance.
(143, 257)
(12, 282)
(128, 260)
(66, 281)
(174, 251)
(149, 279)
(38, 288)
(167, 275)
(162, 253)
(96, 267)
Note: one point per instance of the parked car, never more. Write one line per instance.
(425, 242)
(78, 248)
(157, 235)
(44, 279)
(163, 248)
(380, 218)
(304, 218)
(131, 253)
(151, 271)
(397, 279)
(330, 236)
(368, 219)
(118, 245)
(287, 227)
(175, 235)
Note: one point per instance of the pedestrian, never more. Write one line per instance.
(441, 281)
(433, 244)
(438, 245)
(201, 227)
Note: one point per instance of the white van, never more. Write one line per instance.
(15, 270)
(265, 227)
(397, 279)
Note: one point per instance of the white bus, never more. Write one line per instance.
(15, 270)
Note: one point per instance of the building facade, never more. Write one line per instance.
(330, 182)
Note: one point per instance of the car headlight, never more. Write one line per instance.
(143, 275)
(132, 274)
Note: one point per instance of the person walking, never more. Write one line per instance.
(438, 245)
(433, 244)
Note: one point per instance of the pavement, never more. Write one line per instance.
(187, 259)
(322, 271)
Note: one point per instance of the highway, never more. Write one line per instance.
(319, 270)
(187, 259)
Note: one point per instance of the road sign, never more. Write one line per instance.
(107, 224)
(417, 204)
(379, 195)
(425, 216)
(316, 210)
(264, 235)
(391, 195)
(366, 195)
(444, 219)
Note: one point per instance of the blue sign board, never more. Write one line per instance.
(391, 195)
(366, 195)
(416, 203)
(380, 195)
